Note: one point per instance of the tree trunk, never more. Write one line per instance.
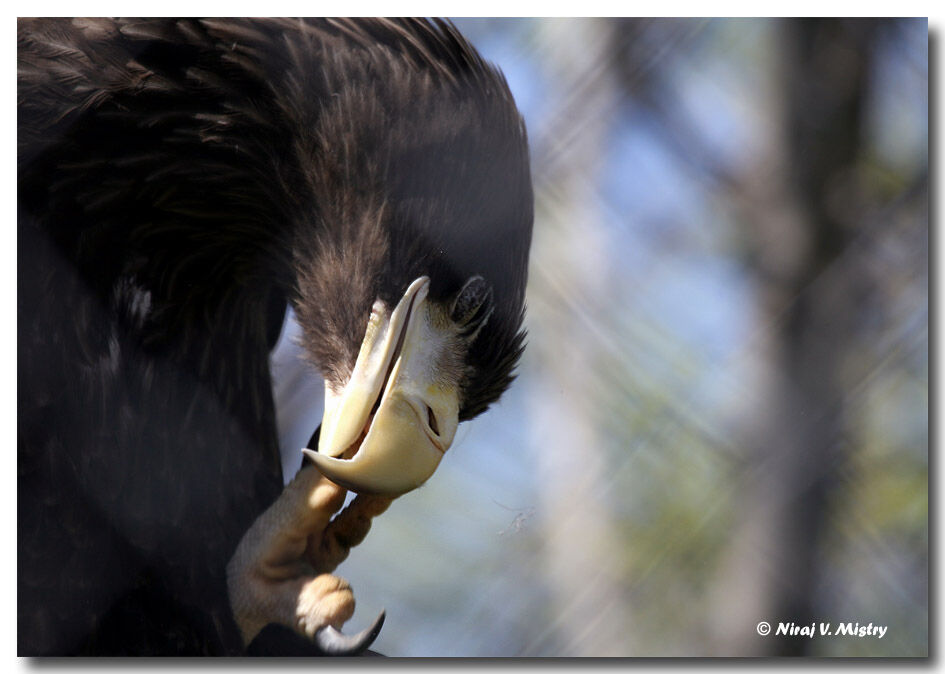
(810, 296)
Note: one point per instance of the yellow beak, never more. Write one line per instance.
(387, 430)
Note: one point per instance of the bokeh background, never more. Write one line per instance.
(722, 414)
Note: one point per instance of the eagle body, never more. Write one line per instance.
(180, 182)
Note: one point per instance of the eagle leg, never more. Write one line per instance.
(281, 570)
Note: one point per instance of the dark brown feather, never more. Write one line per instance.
(178, 181)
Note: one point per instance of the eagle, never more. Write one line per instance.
(181, 184)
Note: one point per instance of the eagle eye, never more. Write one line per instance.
(472, 306)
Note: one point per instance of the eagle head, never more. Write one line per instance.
(411, 254)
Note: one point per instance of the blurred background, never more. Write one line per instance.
(722, 414)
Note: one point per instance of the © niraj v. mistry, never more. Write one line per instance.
(850, 629)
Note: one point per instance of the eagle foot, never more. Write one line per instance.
(280, 572)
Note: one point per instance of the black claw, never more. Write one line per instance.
(333, 642)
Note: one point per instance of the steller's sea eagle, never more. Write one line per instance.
(180, 183)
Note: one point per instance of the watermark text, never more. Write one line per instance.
(822, 629)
